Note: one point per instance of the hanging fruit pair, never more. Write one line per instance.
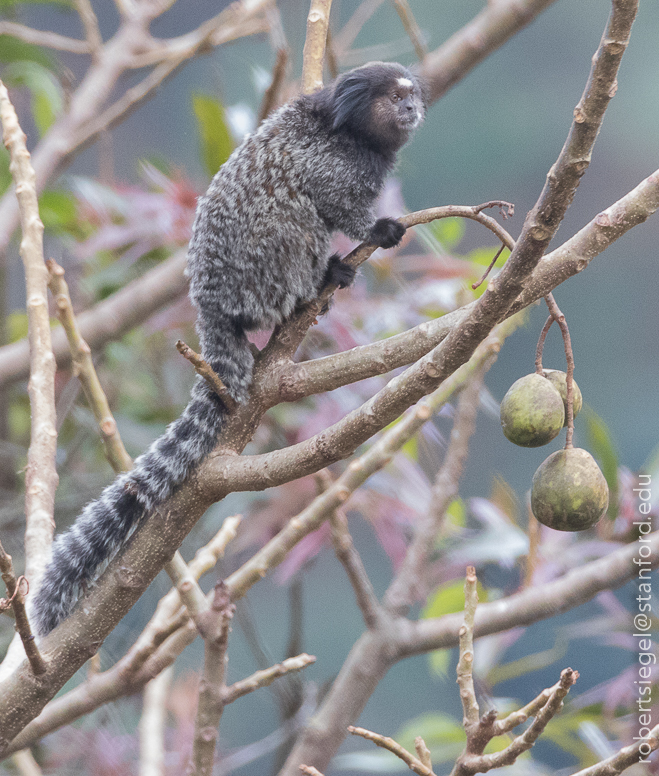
(569, 491)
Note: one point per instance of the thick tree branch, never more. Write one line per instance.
(144, 660)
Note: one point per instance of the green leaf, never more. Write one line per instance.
(45, 89)
(448, 599)
(457, 513)
(13, 50)
(16, 326)
(215, 138)
(58, 210)
(434, 727)
(601, 445)
(449, 231)
(439, 660)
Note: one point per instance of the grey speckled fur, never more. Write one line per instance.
(259, 250)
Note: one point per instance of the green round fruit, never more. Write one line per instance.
(532, 411)
(569, 492)
(559, 380)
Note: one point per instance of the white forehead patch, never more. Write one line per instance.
(405, 82)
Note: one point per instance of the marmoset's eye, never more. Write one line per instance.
(395, 98)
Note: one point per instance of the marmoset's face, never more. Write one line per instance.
(407, 103)
(397, 112)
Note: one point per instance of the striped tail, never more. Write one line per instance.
(104, 525)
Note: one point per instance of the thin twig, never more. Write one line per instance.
(412, 762)
(473, 761)
(41, 474)
(466, 660)
(309, 770)
(558, 316)
(83, 368)
(44, 38)
(266, 676)
(272, 94)
(354, 567)
(422, 752)
(314, 46)
(539, 348)
(204, 369)
(411, 28)
(90, 24)
(480, 282)
(16, 601)
(628, 755)
(189, 591)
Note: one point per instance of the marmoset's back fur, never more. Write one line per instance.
(259, 250)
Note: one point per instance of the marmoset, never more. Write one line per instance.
(260, 248)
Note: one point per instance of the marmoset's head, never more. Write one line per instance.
(382, 102)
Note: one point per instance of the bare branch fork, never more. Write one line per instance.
(16, 600)
(481, 730)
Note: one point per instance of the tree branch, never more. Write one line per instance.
(470, 45)
(412, 762)
(352, 563)
(41, 475)
(375, 652)
(149, 655)
(44, 38)
(407, 585)
(83, 368)
(108, 320)
(212, 684)
(313, 55)
(464, 669)
(16, 601)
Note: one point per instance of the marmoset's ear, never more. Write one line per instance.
(351, 101)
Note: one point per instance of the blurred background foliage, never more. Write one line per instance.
(128, 202)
